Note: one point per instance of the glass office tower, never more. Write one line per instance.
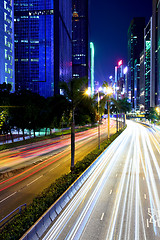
(158, 51)
(80, 29)
(148, 65)
(155, 94)
(7, 43)
(43, 43)
(135, 47)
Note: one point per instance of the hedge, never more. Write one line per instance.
(22, 222)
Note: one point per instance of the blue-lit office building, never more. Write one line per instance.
(80, 36)
(7, 43)
(43, 45)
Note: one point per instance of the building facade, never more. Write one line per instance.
(148, 65)
(135, 47)
(43, 45)
(80, 37)
(142, 82)
(7, 43)
(136, 84)
(154, 92)
(156, 23)
(120, 84)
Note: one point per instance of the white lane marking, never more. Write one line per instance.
(116, 175)
(110, 192)
(102, 216)
(34, 180)
(145, 196)
(54, 168)
(143, 178)
(8, 197)
(147, 223)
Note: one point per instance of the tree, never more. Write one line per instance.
(151, 114)
(73, 91)
(57, 108)
(85, 111)
(28, 111)
(121, 106)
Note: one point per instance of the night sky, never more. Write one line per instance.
(110, 20)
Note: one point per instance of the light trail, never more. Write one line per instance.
(134, 213)
(21, 155)
(49, 160)
(58, 227)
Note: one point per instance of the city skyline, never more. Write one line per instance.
(109, 29)
(79, 119)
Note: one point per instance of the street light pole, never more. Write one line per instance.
(109, 92)
(88, 92)
(98, 124)
(108, 119)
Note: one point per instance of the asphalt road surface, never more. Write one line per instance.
(41, 164)
(121, 199)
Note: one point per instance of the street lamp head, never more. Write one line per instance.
(100, 89)
(88, 92)
(158, 110)
(109, 91)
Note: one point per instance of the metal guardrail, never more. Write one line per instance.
(12, 213)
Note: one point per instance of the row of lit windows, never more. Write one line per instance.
(36, 14)
(26, 60)
(79, 55)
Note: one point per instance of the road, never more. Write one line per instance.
(40, 164)
(121, 199)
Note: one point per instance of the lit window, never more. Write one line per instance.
(5, 27)
(5, 5)
(5, 39)
(5, 16)
(5, 54)
(6, 67)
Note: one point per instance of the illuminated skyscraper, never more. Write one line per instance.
(43, 44)
(136, 84)
(7, 43)
(154, 92)
(156, 50)
(135, 47)
(80, 37)
(142, 82)
(119, 84)
(148, 65)
(92, 68)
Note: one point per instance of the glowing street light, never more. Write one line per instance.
(109, 92)
(88, 91)
(158, 110)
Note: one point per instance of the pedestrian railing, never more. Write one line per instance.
(11, 215)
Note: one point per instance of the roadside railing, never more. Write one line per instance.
(11, 215)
